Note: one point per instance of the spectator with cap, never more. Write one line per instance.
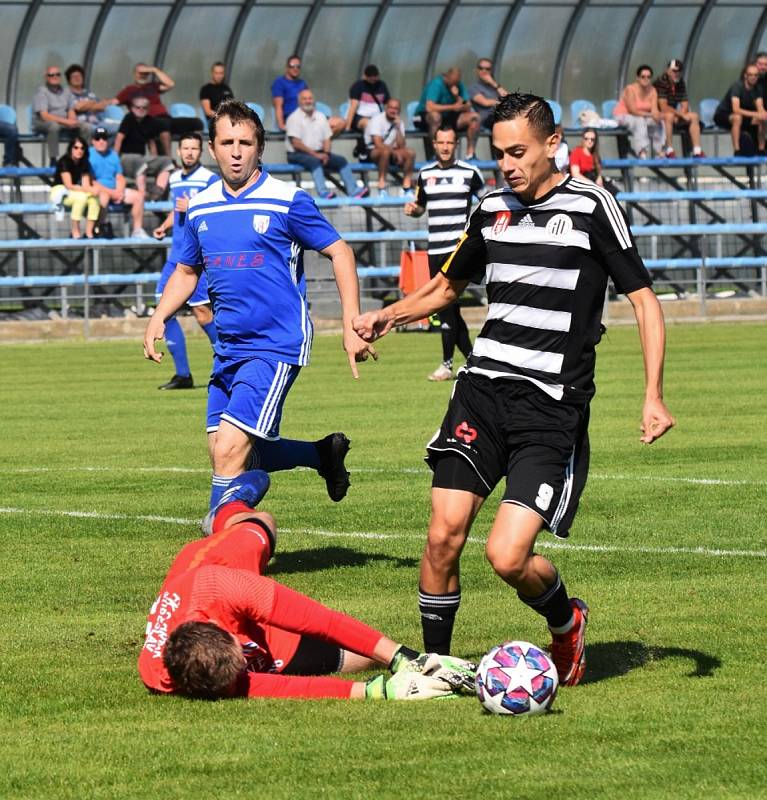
(485, 93)
(136, 146)
(385, 137)
(88, 106)
(675, 108)
(109, 182)
(367, 97)
(638, 111)
(445, 101)
(152, 82)
(742, 112)
(216, 91)
(54, 111)
(307, 141)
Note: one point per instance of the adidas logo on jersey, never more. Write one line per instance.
(526, 222)
(203, 227)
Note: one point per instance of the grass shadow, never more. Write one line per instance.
(324, 557)
(612, 659)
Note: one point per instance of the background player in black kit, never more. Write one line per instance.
(520, 409)
(445, 188)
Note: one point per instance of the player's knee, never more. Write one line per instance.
(512, 566)
(229, 456)
(445, 542)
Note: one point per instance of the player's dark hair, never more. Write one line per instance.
(642, 68)
(535, 109)
(72, 68)
(202, 659)
(235, 112)
(445, 128)
(191, 135)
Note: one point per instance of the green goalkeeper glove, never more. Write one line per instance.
(406, 686)
(456, 671)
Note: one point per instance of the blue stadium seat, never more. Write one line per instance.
(201, 115)
(323, 108)
(259, 109)
(707, 109)
(575, 111)
(343, 109)
(556, 110)
(410, 113)
(30, 117)
(7, 114)
(182, 110)
(114, 113)
(608, 106)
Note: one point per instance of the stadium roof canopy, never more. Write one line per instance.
(563, 49)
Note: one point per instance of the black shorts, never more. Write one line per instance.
(507, 427)
(436, 262)
(315, 657)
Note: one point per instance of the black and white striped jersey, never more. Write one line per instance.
(446, 195)
(546, 265)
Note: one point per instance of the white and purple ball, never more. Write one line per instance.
(516, 678)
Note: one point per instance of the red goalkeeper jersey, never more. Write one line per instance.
(204, 585)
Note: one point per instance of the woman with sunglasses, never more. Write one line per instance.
(638, 111)
(585, 163)
(73, 188)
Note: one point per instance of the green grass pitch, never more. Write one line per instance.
(104, 478)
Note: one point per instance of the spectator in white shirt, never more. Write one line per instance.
(385, 138)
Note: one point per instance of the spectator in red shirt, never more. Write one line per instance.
(585, 163)
(220, 629)
(151, 82)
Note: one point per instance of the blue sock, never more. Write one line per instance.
(218, 485)
(176, 341)
(210, 331)
(284, 454)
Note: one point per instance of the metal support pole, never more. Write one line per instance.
(86, 294)
(702, 277)
(20, 263)
(64, 303)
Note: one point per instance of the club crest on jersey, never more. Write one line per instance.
(502, 220)
(559, 225)
(261, 223)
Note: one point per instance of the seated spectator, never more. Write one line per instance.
(742, 112)
(109, 182)
(585, 163)
(54, 111)
(307, 140)
(562, 154)
(444, 101)
(675, 108)
(385, 138)
(9, 135)
(73, 188)
(135, 137)
(485, 93)
(215, 92)
(761, 66)
(150, 82)
(367, 97)
(88, 107)
(285, 91)
(638, 111)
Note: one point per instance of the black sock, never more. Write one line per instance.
(437, 618)
(554, 604)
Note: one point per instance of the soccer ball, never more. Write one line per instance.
(516, 678)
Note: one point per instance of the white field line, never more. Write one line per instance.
(394, 471)
(543, 544)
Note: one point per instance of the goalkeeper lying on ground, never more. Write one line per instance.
(219, 628)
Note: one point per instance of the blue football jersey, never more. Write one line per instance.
(181, 185)
(251, 248)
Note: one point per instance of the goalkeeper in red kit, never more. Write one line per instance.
(219, 628)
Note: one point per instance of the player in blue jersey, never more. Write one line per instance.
(247, 233)
(184, 184)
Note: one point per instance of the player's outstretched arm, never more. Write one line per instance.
(178, 290)
(656, 418)
(345, 271)
(433, 296)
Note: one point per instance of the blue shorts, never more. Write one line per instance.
(200, 296)
(249, 394)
